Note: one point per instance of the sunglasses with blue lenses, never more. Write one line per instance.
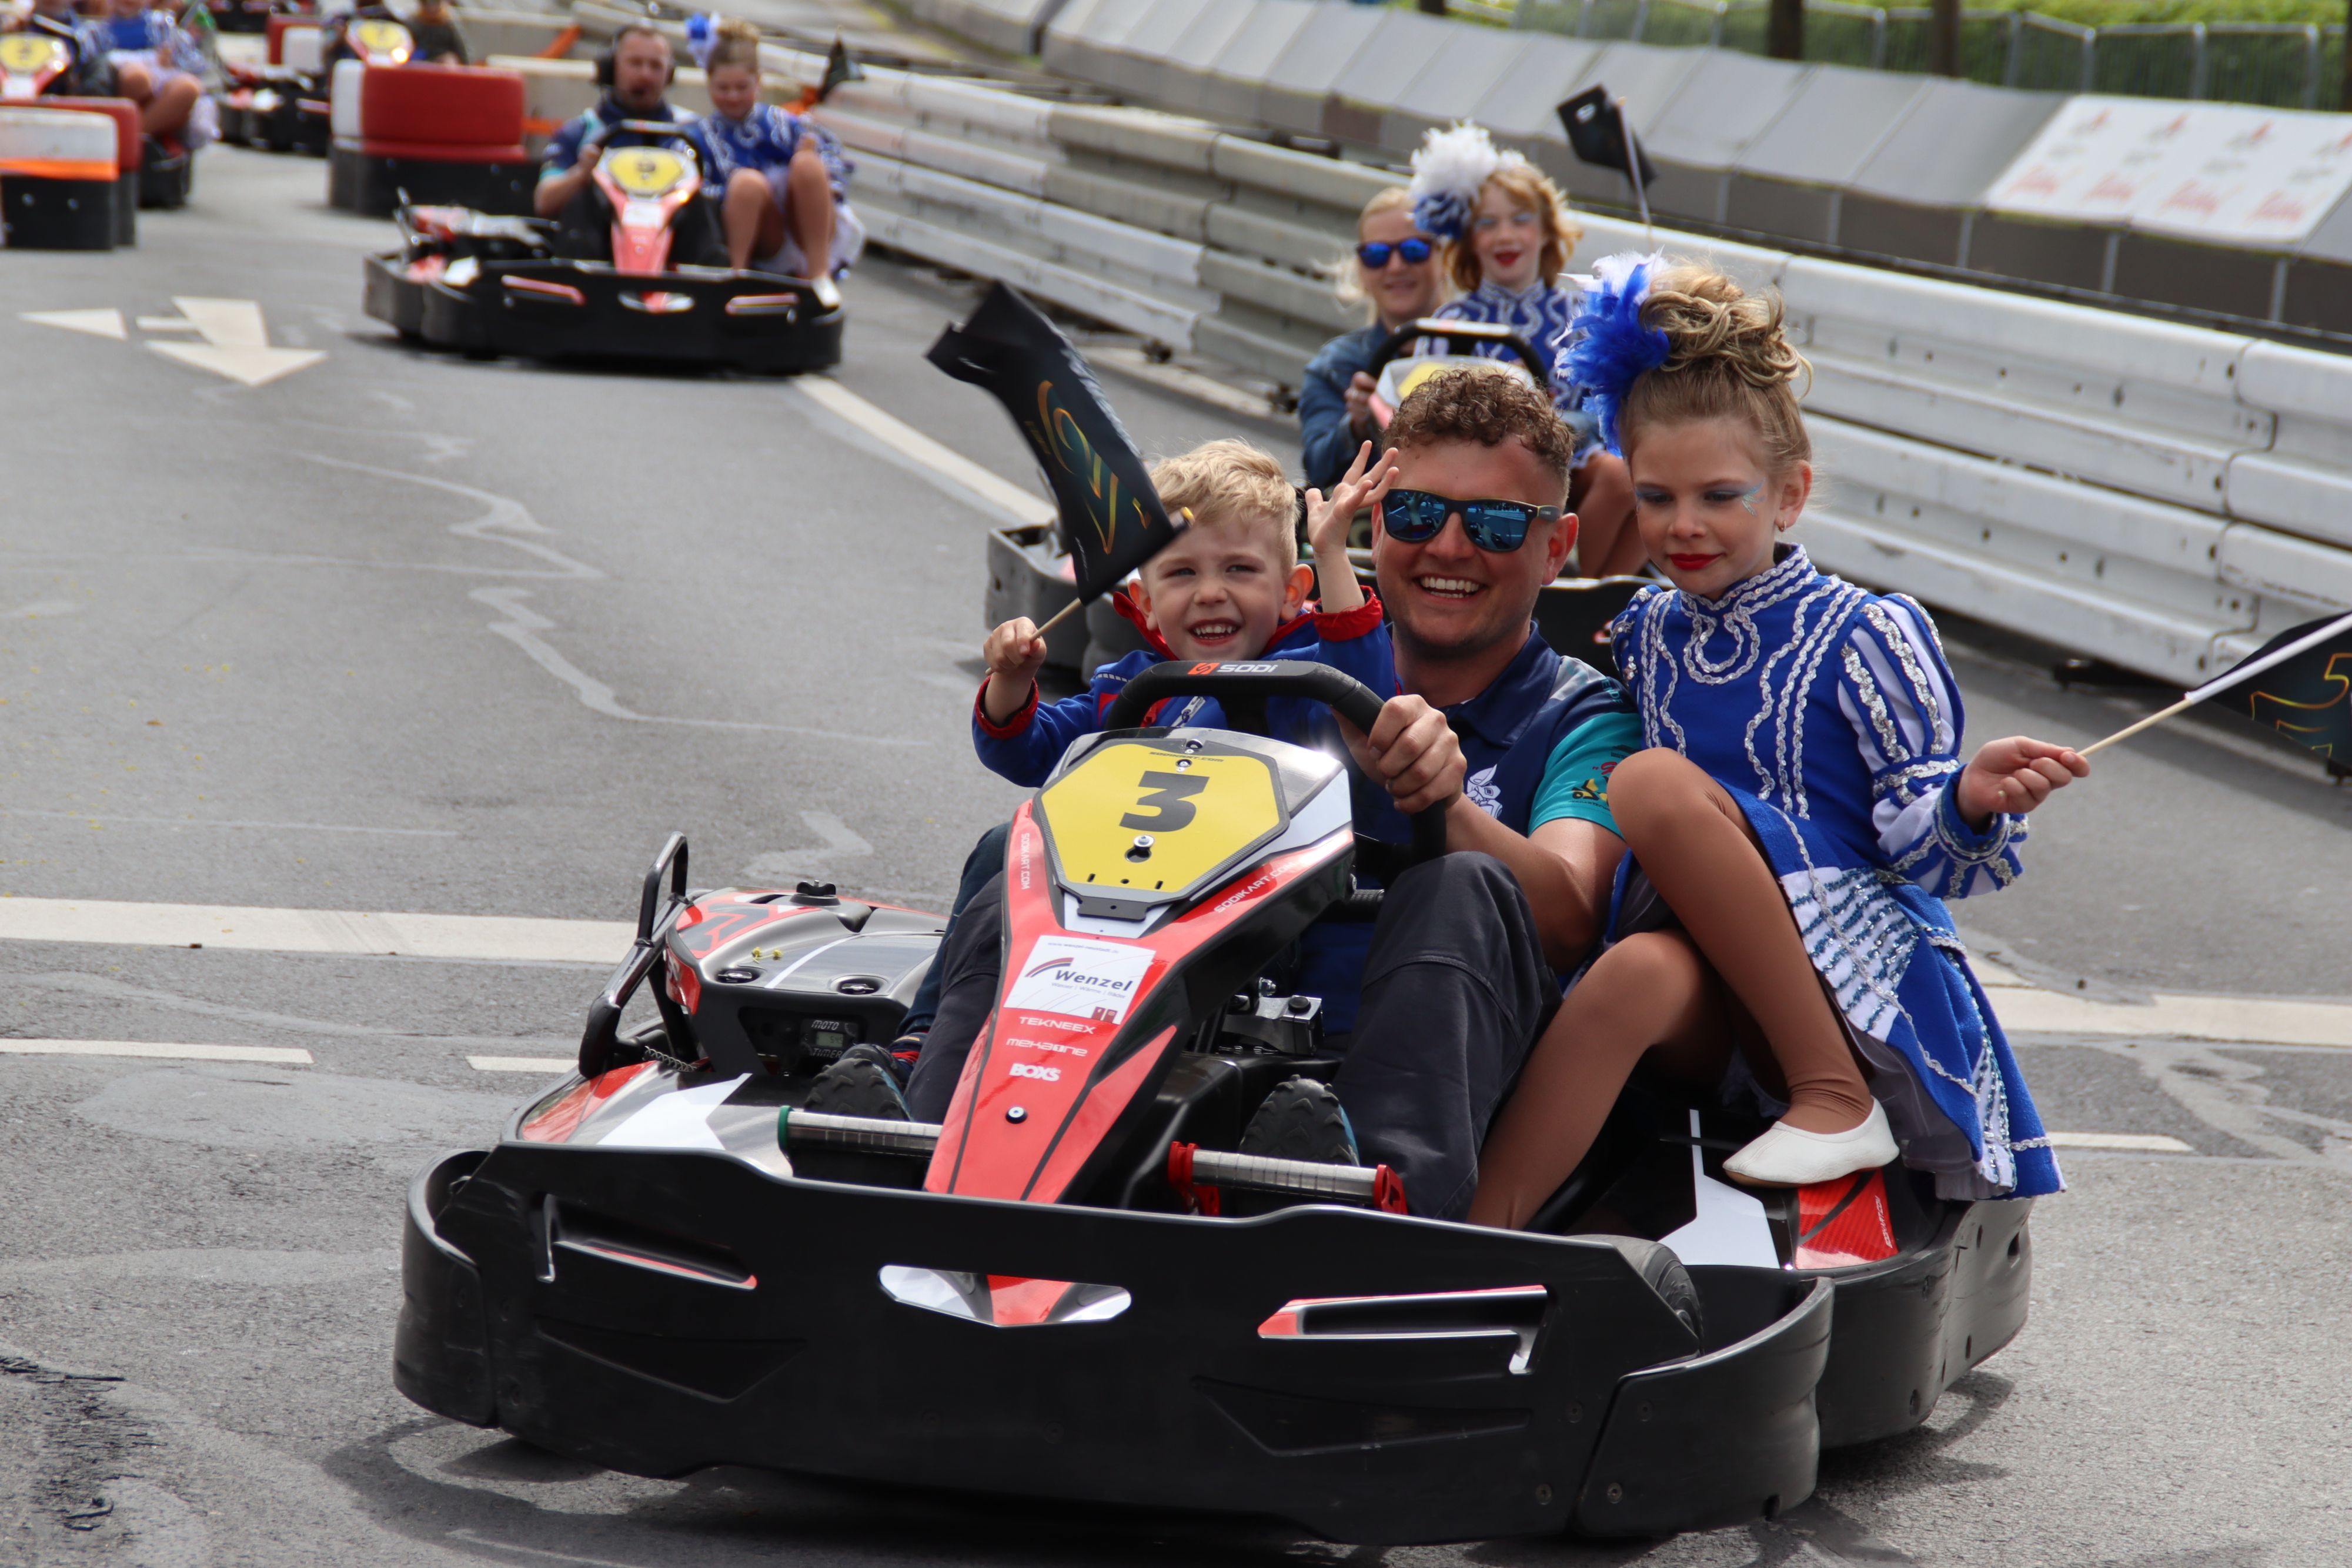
(1375, 254)
(1499, 527)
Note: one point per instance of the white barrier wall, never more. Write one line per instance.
(2160, 495)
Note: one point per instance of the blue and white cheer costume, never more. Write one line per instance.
(1539, 313)
(1829, 714)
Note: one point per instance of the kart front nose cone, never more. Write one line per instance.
(1002, 1300)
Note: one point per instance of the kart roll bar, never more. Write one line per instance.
(1296, 678)
(655, 917)
(1460, 337)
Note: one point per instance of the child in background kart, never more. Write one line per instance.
(1231, 587)
(159, 67)
(781, 181)
(91, 75)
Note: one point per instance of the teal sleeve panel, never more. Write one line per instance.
(1576, 778)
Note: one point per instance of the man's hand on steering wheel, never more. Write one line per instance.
(1412, 753)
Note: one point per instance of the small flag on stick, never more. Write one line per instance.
(1110, 517)
(840, 66)
(2298, 683)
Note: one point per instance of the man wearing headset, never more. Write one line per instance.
(635, 73)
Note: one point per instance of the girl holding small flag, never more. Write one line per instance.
(1801, 812)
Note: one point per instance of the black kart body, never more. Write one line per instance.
(667, 1262)
(485, 285)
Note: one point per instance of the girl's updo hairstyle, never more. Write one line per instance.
(1727, 355)
(735, 43)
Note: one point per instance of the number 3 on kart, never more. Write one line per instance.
(1168, 797)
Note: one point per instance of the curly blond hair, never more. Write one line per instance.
(1727, 355)
(1231, 484)
(735, 43)
(1531, 188)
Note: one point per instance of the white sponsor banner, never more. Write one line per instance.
(1080, 978)
(2231, 174)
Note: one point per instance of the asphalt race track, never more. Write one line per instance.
(400, 633)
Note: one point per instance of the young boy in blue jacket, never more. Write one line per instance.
(1231, 587)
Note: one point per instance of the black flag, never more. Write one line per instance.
(841, 66)
(1111, 519)
(2298, 683)
(1598, 132)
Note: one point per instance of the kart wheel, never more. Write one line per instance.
(1663, 1273)
(1301, 1120)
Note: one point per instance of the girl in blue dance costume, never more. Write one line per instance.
(1802, 809)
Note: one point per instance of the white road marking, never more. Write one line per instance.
(235, 342)
(840, 843)
(42, 610)
(2149, 1142)
(541, 1064)
(204, 822)
(166, 324)
(509, 939)
(97, 323)
(152, 1049)
(965, 478)
(2029, 1010)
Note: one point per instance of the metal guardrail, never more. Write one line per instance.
(2286, 64)
(2160, 495)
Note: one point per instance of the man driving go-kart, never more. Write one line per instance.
(637, 75)
(1458, 974)
(75, 66)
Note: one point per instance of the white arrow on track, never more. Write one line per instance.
(97, 323)
(236, 341)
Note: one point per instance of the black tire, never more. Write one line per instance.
(1301, 1120)
(1663, 1273)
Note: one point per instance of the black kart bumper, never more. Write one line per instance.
(560, 310)
(656, 1311)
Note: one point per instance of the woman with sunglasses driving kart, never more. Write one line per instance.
(1395, 276)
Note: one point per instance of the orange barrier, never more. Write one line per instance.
(561, 47)
(99, 168)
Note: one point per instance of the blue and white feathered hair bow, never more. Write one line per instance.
(1449, 169)
(701, 37)
(1607, 347)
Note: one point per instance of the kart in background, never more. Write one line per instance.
(487, 285)
(1078, 1288)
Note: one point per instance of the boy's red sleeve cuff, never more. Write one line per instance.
(1341, 626)
(1011, 727)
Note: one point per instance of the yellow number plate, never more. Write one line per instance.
(645, 170)
(380, 39)
(22, 54)
(1196, 811)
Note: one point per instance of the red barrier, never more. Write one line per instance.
(446, 107)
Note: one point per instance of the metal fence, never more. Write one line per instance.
(2285, 65)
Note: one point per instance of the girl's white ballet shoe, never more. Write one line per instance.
(1790, 1157)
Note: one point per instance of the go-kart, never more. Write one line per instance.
(282, 104)
(487, 285)
(30, 64)
(1077, 1287)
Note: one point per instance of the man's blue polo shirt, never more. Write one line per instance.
(1543, 716)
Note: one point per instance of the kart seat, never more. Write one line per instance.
(445, 135)
(129, 150)
(303, 53)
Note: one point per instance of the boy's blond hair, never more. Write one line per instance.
(1231, 484)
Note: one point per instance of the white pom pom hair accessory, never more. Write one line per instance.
(1449, 169)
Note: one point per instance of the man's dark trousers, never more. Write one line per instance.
(1456, 990)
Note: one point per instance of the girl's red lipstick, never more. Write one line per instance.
(1692, 562)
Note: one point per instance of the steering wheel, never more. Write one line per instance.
(1341, 693)
(1459, 338)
